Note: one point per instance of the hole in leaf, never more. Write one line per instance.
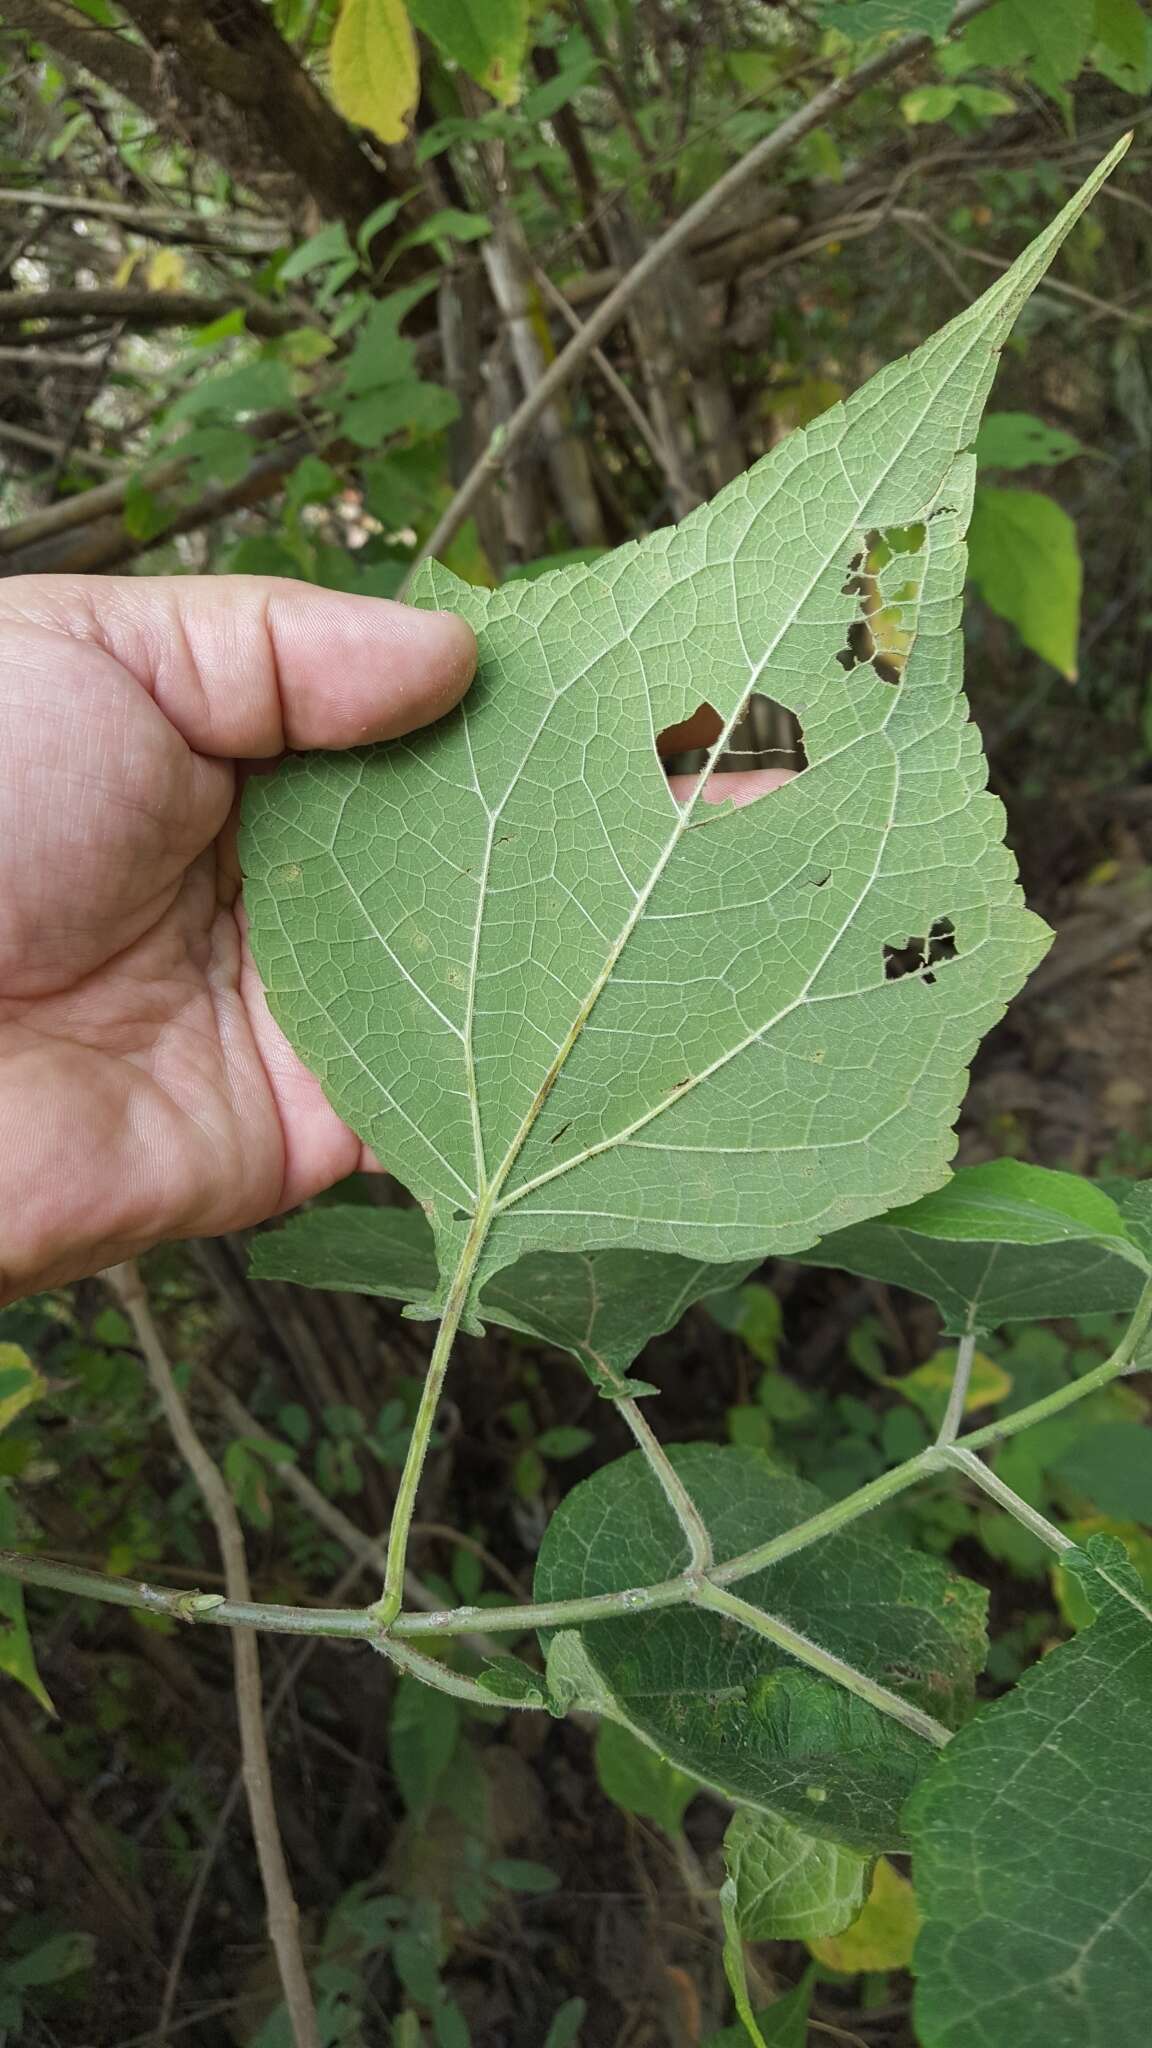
(885, 588)
(765, 740)
(920, 955)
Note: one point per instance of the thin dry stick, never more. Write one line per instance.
(215, 1840)
(283, 1915)
(819, 109)
(662, 452)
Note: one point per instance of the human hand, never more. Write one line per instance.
(145, 1092)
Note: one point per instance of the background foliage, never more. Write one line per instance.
(272, 279)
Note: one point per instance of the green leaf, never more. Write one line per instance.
(466, 935)
(565, 2028)
(516, 1875)
(450, 224)
(1051, 36)
(1018, 440)
(62, 1955)
(1123, 46)
(1111, 1463)
(564, 1442)
(1031, 1842)
(639, 1781)
(487, 38)
(331, 245)
(720, 1702)
(418, 408)
(1000, 1243)
(1025, 562)
(784, 2024)
(512, 1682)
(262, 386)
(374, 66)
(602, 1307)
(790, 1885)
(312, 482)
(381, 217)
(17, 1657)
(21, 1383)
(865, 19)
(422, 1737)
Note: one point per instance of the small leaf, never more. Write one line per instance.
(21, 1383)
(783, 2024)
(262, 386)
(791, 1886)
(516, 1875)
(718, 1700)
(375, 69)
(1025, 562)
(639, 1781)
(512, 1682)
(330, 245)
(564, 1442)
(1031, 1842)
(564, 2031)
(450, 224)
(17, 1657)
(422, 1737)
(883, 1934)
(487, 38)
(929, 1386)
(1018, 440)
(1000, 1243)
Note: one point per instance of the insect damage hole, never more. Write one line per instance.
(920, 955)
(765, 749)
(884, 576)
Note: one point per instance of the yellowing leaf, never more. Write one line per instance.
(166, 271)
(375, 68)
(883, 1934)
(122, 274)
(928, 1387)
(20, 1383)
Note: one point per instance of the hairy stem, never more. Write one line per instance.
(1110, 1368)
(958, 1394)
(719, 1601)
(392, 1597)
(280, 1901)
(671, 1485)
(1030, 1518)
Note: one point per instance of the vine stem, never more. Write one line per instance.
(693, 1586)
(718, 1600)
(392, 1598)
(958, 1393)
(700, 1554)
(280, 1901)
(1030, 1517)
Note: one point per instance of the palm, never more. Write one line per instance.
(145, 1092)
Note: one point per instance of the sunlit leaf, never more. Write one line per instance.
(374, 66)
(1025, 562)
(882, 1935)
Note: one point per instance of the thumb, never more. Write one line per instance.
(244, 666)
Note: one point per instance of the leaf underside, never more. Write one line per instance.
(718, 1700)
(1033, 1844)
(1001, 1243)
(571, 1013)
(601, 1306)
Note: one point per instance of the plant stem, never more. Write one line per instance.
(434, 1673)
(392, 1597)
(837, 1515)
(958, 1394)
(280, 1901)
(718, 1601)
(675, 1492)
(967, 1462)
(1109, 1369)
